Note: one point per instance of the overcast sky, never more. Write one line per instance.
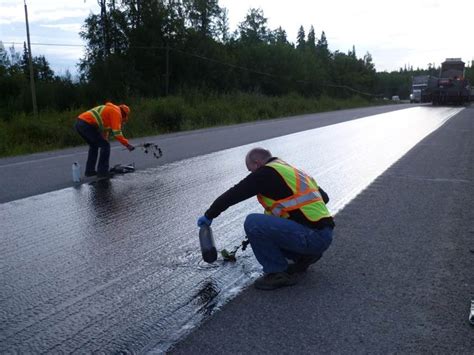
(396, 33)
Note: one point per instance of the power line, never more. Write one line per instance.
(199, 56)
(48, 44)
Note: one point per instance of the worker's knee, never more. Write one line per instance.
(251, 222)
(104, 145)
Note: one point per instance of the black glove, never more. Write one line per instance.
(130, 147)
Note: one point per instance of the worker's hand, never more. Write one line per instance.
(203, 220)
(130, 147)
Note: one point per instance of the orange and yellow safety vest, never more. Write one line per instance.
(306, 196)
(108, 119)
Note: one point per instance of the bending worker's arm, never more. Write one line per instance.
(115, 119)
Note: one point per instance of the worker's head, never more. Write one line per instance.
(125, 111)
(256, 158)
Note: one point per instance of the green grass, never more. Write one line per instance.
(22, 134)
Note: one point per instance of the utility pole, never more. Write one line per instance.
(103, 23)
(167, 77)
(30, 60)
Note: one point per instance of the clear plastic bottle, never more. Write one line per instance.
(208, 246)
(471, 313)
(76, 172)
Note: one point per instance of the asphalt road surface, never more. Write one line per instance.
(34, 174)
(398, 278)
(115, 266)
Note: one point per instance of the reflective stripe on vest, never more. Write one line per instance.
(97, 114)
(306, 196)
(117, 133)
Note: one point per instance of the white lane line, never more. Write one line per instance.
(33, 161)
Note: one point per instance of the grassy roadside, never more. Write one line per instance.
(54, 130)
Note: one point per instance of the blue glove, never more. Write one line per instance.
(203, 220)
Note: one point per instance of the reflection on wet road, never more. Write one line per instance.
(116, 265)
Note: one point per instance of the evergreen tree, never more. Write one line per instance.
(300, 39)
(4, 60)
(203, 16)
(279, 36)
(25, 62)
(222, 26)
(311, 42)
(322, 47)
(42, 69)
(352, 53)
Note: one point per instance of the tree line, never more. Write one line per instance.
(152, 48)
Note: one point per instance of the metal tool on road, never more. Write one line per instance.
(151, 148)
(123, 169)
(230, 256)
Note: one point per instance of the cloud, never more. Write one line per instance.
(45, 10)
(67, 27)
(395, 33)
(11, 14)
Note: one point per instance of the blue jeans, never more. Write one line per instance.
(274, 239)
(94, 138)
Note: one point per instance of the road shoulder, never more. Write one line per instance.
(400, 267)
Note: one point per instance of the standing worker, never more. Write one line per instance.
(94, 126)
(296, 224)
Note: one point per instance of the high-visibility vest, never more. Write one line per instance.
(97, 114)
(306, 196)
(108, 119)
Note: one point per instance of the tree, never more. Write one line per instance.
(311, 42)
(322, 47)
(254, 28)
(203, 16)
(4, 60)
(470, 73)
(222, 26)
(41, 69)
(369, 65)
(279, 36)
(352, 53)
(300, 39)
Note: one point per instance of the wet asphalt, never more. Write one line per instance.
(34, 174)
(113, 266)
(398, 278)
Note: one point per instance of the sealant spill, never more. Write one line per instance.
(117, 264)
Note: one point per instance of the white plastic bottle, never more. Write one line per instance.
(471, 314)
(76, 172)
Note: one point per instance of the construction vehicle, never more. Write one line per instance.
(451, 87)
(418, 89)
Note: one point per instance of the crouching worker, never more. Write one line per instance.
(94, 126)
(296, 224)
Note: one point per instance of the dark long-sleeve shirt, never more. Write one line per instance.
(268, 182)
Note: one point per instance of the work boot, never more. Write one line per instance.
(302, 264)
(274, 280)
